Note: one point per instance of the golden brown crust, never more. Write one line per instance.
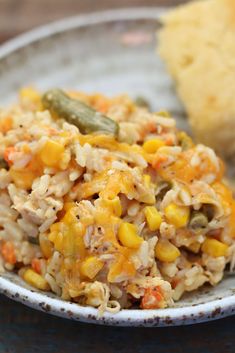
(230, 5)
(198, 46)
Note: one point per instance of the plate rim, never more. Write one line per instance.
(187, 315)
(81, 20)
(212, 310)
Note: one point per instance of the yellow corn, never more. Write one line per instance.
(78, 229)
(114, 206)
(58, 240)
(214, 247)
(68, 241)
(51, 153)
(153, 217)
(151, 146)
(23, 179)
(30, 95)
(52, 236)
(56, 227)
(35, 280)
(91, 266)
(166, 251)
(148, 198)
(69, 205)
(68, 238)
(177, 215)
(70, 216)
(80, 247)
(147, 180)
(128, 235)
(100, 216)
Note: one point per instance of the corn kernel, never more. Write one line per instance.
(153, 217)
(58, 241)
(30, 95)
(80, 247)
(23, 179)
(70, 216)
(215, 248)
(91, 266)
(35, 280)
(177, 215)
(148, 198)
(100, 216)
(147, 180)
(114, 205)
(166, 251)
(78, 229)
(55, 227)
(69, 205)
(51, 153)
(52, 236)
(68, 243)
(151, 146)
(128, 236)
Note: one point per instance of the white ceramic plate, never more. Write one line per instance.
(110, 52)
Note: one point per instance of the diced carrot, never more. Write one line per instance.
(151, 126)
(8, 252)
(52, 131)
(158, 161)
(169, 141)
(7, 152)
(36, 265)
(6, 124)
(153, 298)
(27, 136)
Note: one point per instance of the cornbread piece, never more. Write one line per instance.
(197, 43)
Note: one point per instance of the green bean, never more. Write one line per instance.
(142, 102)
(162, 188)
(33, 240)
(78, 113)
(198, 220)
(163, 113)
(185, 141)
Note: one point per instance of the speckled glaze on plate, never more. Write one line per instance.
(110, 52)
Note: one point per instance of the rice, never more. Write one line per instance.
(107, 221)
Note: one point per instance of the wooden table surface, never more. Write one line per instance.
(17, 16)
(23, 330)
